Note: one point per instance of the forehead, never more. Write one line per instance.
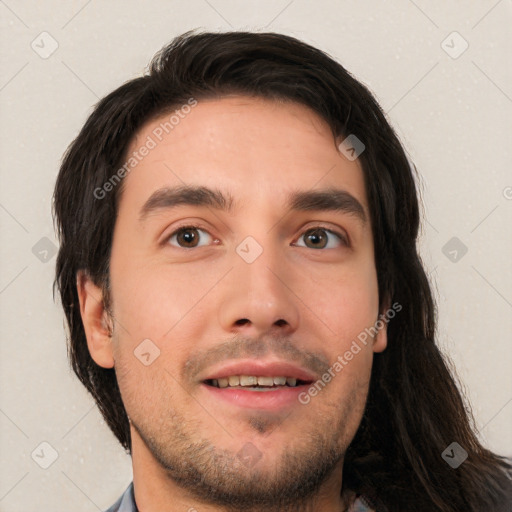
(254, 148)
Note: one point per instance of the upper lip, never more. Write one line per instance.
(261, 368)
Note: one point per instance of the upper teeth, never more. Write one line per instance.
(251, 380)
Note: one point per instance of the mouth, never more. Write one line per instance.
(255, 384)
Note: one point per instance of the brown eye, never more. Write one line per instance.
(322, 238)
(188, 237)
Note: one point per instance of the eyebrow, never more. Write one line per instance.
(330, 199)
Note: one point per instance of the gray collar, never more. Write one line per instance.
(126, 503)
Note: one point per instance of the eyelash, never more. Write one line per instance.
(343, 239)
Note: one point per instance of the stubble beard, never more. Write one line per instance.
(217, 476)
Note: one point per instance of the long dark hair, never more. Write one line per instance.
(414, 409)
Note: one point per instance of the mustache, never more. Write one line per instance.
(244, 347)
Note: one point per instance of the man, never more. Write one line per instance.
(246, 304)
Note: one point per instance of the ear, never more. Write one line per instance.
(380, 342)
(96, 321)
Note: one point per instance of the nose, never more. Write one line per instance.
(259, 297)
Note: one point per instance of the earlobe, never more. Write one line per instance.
(95, 320)
(380, 341)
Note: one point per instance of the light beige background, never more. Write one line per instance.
(454, 116)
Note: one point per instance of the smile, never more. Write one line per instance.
(255, 383)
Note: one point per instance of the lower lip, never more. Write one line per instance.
(268, 400)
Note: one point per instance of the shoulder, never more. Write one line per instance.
(125, 503)
(356, 502)
(360, 506)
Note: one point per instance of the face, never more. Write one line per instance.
(233, 303)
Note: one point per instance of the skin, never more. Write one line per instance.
(293, 300)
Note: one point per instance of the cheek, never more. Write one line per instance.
(156, 311)
(348, 302)
(151, 300)
(146, 390)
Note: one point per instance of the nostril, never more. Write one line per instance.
(242, 321)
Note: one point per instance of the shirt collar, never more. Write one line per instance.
(126, 503)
